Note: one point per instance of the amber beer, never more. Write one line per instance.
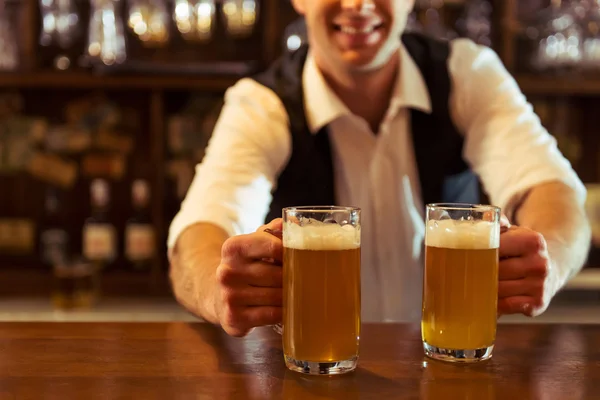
(321, 297)
(76, 285)
(460, 291)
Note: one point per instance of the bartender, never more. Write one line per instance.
(366, 115)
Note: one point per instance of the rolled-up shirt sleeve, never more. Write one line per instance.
(248, 148)
(505, 142)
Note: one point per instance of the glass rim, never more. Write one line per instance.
(463, 207)
(320, 209)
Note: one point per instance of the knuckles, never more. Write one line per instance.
(229, 316)
(538, 289)
(540, 267)
(240, 246)
(231, 321)
(237, 247)
(536, 242)
(232, 247)
(229, 297)
(225, 275)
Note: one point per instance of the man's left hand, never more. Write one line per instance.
(527, 279)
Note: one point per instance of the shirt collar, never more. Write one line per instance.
(321, 103)
(323, 106)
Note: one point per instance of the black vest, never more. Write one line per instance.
(308, 178)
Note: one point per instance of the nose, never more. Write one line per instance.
(358, 5)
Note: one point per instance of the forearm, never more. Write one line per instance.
(554, 210)
(194, 261)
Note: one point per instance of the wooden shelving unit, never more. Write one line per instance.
(158, 88)
(559, 85)
(529, 83)
(82, 80)
(39, 283)
(276, 14)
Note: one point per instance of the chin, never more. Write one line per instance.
(357, 59)
(361, 62)
(369, 58)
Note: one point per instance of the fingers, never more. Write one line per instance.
(521, 267)
(522, 283)
(263, 275)
(243, 306)
(515, 305)
(276, 233)
(260, 274)
(518, 242)
(253, 296)
(511, 268)
(260, 316)
(275, 225)
(249, 290)
(532, 287)
(523, 272)
(525, 305)
(252, 247)
(239, 321)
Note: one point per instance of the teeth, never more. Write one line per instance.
(353, 31)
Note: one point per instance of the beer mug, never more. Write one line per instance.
(321, 289)
(460, 283)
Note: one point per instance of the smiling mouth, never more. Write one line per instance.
(351, 30)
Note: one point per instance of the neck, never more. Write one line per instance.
(366, 94)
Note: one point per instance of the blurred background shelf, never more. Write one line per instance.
(588, 279)
(567, 85)
(214, 82)
(151, 117)
(122, 284)
(70, 80)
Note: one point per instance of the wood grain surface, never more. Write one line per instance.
(199, 361)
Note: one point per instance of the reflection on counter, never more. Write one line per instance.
(444, 381)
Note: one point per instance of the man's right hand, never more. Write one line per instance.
(249, 286)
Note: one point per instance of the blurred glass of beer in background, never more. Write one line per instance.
(76, 284)
(321, 289)
(460, 286)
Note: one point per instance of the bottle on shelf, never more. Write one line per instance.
(19, 233)
(54, 237)
(5, 224)
(17, 227)
(140, 237)
(99, 234)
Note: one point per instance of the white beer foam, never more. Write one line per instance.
(320, 236)
(466, 235)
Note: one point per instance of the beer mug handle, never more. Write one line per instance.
(277, 233)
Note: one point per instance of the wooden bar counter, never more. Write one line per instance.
(198, 361)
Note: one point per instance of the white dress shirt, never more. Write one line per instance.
(505, 144)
